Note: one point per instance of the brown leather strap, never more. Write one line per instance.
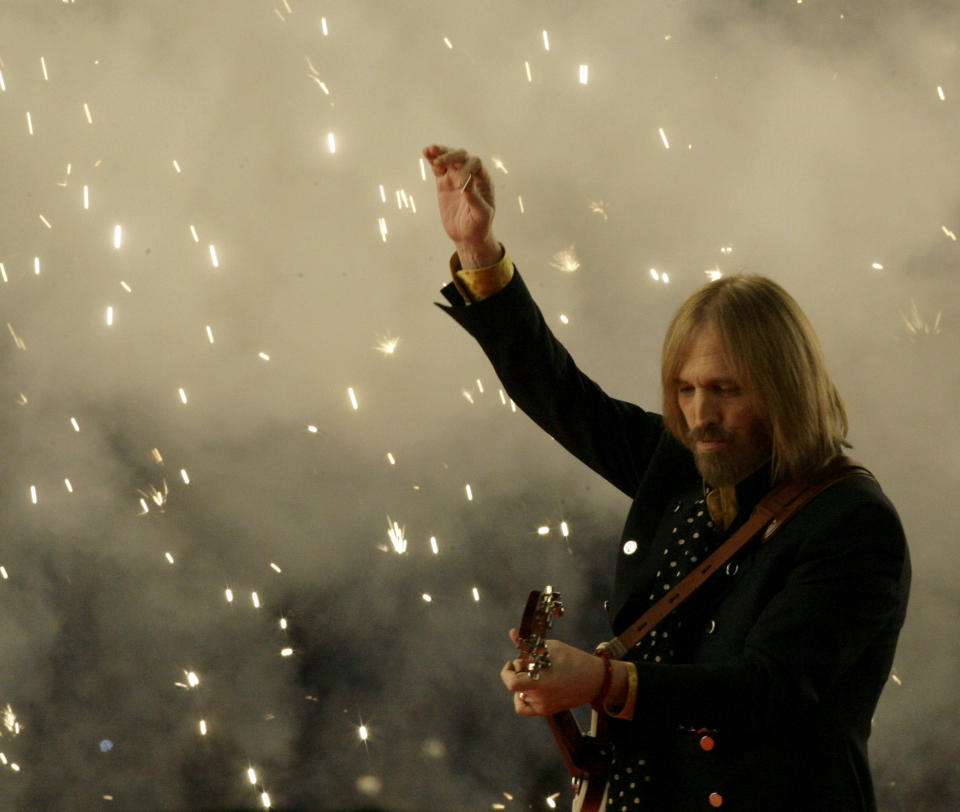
(770, 515)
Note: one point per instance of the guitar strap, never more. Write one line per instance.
(774, 510)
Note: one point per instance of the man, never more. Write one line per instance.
(758, 692)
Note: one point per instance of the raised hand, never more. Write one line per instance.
(466, 200)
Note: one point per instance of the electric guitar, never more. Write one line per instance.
(581, 751)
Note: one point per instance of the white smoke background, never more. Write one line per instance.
(811, 141)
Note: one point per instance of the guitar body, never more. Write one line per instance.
(580, 751)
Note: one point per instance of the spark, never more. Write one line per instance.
(193, 231)
(312, 429)
(10, 720)
(3, 85)
(184, 476)
(265, 799)
(126, 287)
(353, 398)
(192, 679)
(86, 196)
(255, 599)
(283, 623)
(467, 395)
(427, 598)
(726, 249)
(117, 236)
(45, 221)
(949, 233)
(383, 194)
(448, 43)
(169, 557)
(584, 73)
(434, 546)
(18, 342)
(469, 493)
(895, 678)
(383, 229)
(566, 260)
(86, 112)
(387, 345)
(714, 274)
(228, 594)
(917, 325)
(877, 266)
(36, 265)
(331, 143)
(275, 567)
(29, 124)
(520, 203)
(43, 67)
(176, 166)
(476, 594)
(68, 485)
(363, 733)
(663, 137)
(75, 424)
(110, 316)
(183, 395)
(252, 775)
(157, 456)
(286, 652)
(321, 84)
(565, 529)
(264, 356)
(213, 256)
(526, 66)
(599, 207)
(543, 530)
(423, 169)
(564, 319)
(940, 93)
(209, 334)
(203, 728)
(480, 385)
(3, 573)
(33, 494)
(391, 459)
(3, 273)
(395, 534)
(499, 165)
(546, 41)
(323, 25)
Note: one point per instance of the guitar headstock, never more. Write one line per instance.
(538, 614)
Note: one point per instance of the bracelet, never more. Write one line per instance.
(600, 698)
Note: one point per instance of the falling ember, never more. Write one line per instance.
(520, 203)
(434, 546)
(526, 66)
(264, 356)
(75, 424)
(286, 652)
(203, 728)
(255, 598)
(427, 598)
(565, 529)
(29, 124)
(566, 260)
(68, 485)
(213, 256)
(283, 623)
(45, 221)
(480, 385)
(499, 165)
(543, 530)
(184, 476)
(469, 493)
(209, 334)
(3, 273)
(391, 459)
(192, 679)
(564, 319)
(353, 398)
(940, 93)
(949, 233)
(584, 73)
(3, 85)
(312, 429)
(228, 594)
(33, 494)
(169, 557)
(714, 274)
(86, 112)
(183, 395)
(36, 265)
(396, 535)
(331, 143)
(265, 799)
(447, 42)
(383, 229)
(110, 316)
(663, 137)
(193, 232)
(877, 266)
(363, 733)
(275, 567)
(252, 775)
(546, 41)
(654, 274)
(157, 456)
(43, 67)
(323, 25)
(3, 573)
(476, 594)
(117, 236)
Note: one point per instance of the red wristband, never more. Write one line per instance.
(600, 698)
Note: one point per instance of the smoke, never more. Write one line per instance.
(201, 440)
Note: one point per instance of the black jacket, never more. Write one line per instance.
(796, 642)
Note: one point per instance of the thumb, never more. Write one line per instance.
(515, 637)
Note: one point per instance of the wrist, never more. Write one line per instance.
(480, 255)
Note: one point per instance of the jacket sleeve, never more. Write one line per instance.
(615, 438)
(825, 636)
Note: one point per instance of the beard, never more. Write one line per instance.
(740, 456)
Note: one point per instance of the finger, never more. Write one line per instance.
(522, 706)
(515, 637)
(509, 675)
(450, 159)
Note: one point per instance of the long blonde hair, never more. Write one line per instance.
(772, 346)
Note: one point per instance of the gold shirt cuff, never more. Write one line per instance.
(477, 284)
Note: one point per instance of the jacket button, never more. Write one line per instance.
(711, 626)
(732, 568)
(715, 799)
(707, 743)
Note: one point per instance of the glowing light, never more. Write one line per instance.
(86, 196)
(940, 93)
(476, 594)
(283, 623)
(448, 43)
(117, 236)
(203, 728)
(3, 573)
(480, 385)
(543, 530)
(526, 67)
(499, 165)
(36, 265)
(391, 459)
(255, 599)
(184, 476)
(3, 85)
(714, 274)
(45, 221)
(584, 74)
(387, 345)
(110, 316)
(33, 494)
(396, 535)
(566, 260)
(213, 256)
(228, 594)
(331, 143)
(655, 274)
(469, 493)
(427, 598)
(434, 546)
(209, 334)
(252, 775)
(286, 652)
(949, 233)
(520, 203)
(193, 232)
(383, 229)
(169, 557)
(192, 679)
(3, 273)
(29, 124)
(564, 319)
(86, 112)
(264, 356)
(183, 395)
(265, 799)
(323, 25)
(877, 266)
(353, 398)
(663, 137)
(312, 429)
(75, 424)
(565, 529)
(363, 733)
(546, 41)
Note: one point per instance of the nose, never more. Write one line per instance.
(701, 410)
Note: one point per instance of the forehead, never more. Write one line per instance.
(705, 356)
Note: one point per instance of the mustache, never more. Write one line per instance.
(708, 433)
